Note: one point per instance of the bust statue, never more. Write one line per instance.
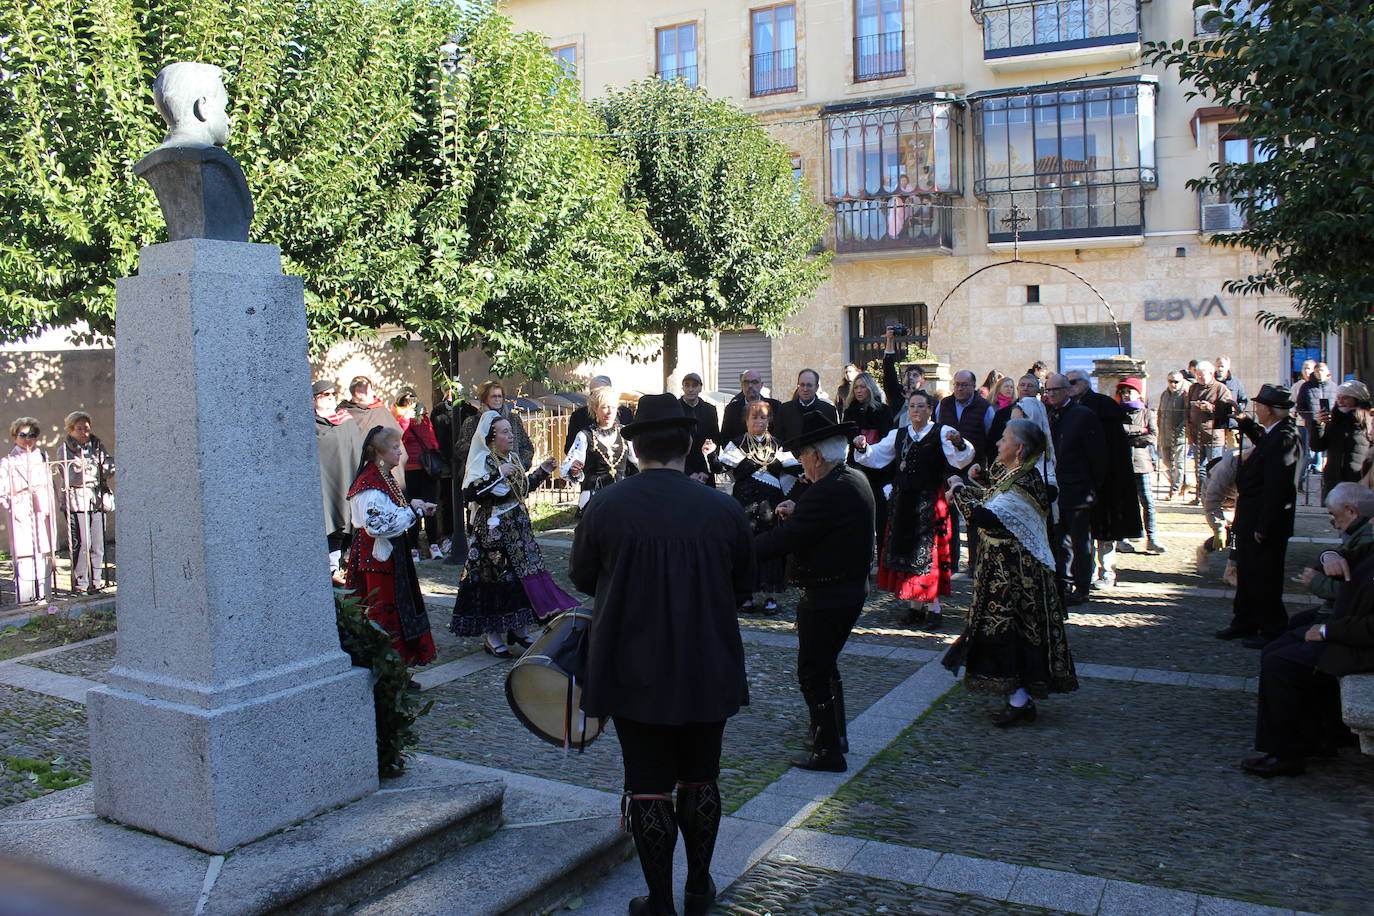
(200, 187)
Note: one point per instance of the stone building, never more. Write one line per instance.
(921, 124)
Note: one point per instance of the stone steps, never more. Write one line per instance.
(554, 845)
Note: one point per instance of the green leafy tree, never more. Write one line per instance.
(731, 236)
(399, 152)
(1302, 74)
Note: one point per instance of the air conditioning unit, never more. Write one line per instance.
(1222, 218)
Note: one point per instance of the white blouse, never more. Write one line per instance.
(582, 442)
(883, 452)
(375, 513)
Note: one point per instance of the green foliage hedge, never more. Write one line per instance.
(397, 704)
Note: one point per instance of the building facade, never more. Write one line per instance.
(1005, 177)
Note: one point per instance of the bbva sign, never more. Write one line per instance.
(1178, 309)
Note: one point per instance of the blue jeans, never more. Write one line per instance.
(1147, 504)
(1202, 454)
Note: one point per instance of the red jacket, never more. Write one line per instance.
(418, 438)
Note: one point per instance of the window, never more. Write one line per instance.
(677, 53)
(1221, 212)
(891, 170)
(1014, 27)
(868, 326)
(567, 56)
(1032, 294)
(878, 40)
(773, 61)
(1207, 19)
(1080, 344)
(1075, 163)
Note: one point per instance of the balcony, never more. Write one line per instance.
(773, 72)
(879, 57)
(900, 222)
(1030, 34)
(1103, 206)
(687, 74)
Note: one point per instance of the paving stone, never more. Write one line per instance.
(794, 889)
(1110, 672)
(37, 728)
(1218, 906)
(471, 721)
(90, 661)
(1156, 676)
(820, 849)
(1125, 781)
(1121, 898)
(968, 875)
(893, 863)
(770, 808)
(1057, 889)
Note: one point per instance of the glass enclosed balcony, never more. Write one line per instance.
(1022, 34)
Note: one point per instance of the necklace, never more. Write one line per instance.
(392, 490)
(760, 449)
(614, 454)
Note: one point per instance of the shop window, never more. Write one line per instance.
(1074, 163)
(879, 40)
(892, 172)
(1016, 27)
(773, 47)
(677, 53)
(1079, 344)
(868, 326)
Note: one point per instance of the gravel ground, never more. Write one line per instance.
(1122, 780)
(35, 727)
(92, 662)
(773, 888)
(471, 721)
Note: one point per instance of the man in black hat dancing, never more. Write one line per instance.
(666, 559)
(828, 535)
(1266, 500)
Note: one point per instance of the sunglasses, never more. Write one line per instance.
(31, 435)
(1048, 390)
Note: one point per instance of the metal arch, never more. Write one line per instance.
(1121, 348)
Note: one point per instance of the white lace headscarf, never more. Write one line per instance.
(479, 450)
(1036, 413)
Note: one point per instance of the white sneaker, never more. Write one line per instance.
(446, 546)
(435, 552)
(415, 554)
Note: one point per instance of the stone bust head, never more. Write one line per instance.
(192, 100)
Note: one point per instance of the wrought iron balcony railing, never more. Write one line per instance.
(773, 72)
(1015, 27)
(1067, 205)
(687, 74)
(896, 222)
(880, 56)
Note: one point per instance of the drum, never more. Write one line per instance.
(544, 687)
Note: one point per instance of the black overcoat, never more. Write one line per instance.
(829, 538)
(1267, 485)
(1116, 511)
(1080, 454)
(667, 560)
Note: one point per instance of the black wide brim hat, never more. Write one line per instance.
(1275, 396)
(659, 411)
(817, 428)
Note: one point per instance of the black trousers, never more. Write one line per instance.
(1299, 706)
(1071, 541)
(1258, 606)
(658, 757)
(825, 615)
(86, 538)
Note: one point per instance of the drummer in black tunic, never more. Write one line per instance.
(828, 536)
(666, 559)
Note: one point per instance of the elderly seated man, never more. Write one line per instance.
(1299, 694)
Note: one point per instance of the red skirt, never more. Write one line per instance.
(934, 584)
(381, 610)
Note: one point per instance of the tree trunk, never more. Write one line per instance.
(672, 359)
(1359, 352)
(458, 549)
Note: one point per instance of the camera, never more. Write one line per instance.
(898, 329)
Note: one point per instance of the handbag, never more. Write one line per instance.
(107, 501)
(434, 464)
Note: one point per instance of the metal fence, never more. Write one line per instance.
(30, 570)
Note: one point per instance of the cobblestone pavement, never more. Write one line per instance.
(41, 730)
(471, 721)
(92, 662)
(1129, 781)
(797, 889)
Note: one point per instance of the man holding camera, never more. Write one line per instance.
(1266, 500)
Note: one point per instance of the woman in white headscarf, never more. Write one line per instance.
(1032, 409)
(1015, 644)
(505, 586)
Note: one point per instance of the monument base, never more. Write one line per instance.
(233, 773)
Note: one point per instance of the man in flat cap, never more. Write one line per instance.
(1266, 500)
(827, 534)
(706, 435)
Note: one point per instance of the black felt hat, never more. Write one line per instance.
(322, 386)
(1275, 396)
(817, 428)
(658, 411)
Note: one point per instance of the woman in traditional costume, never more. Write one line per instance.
(916, 562)
(1015, 644)
(504, 587)
(865, 409)
(764, 473)
(380, 570)
(600, 455)
(26, 492)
